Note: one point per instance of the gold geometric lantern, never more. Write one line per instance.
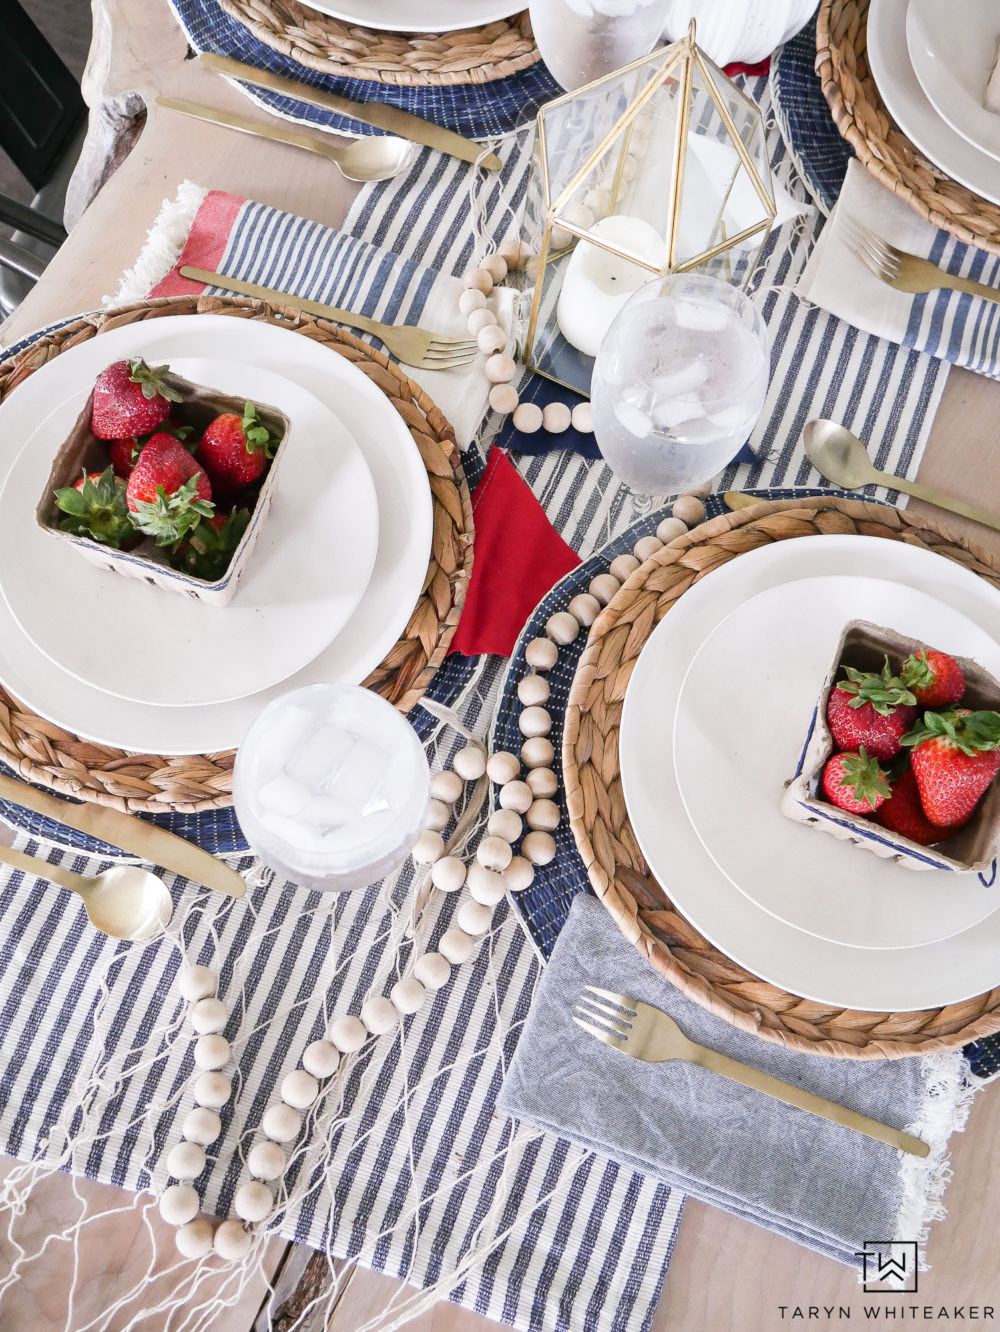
(657, 168)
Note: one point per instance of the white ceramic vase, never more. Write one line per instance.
(582, 40)
(744, 30)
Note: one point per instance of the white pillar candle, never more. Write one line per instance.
(598, 283)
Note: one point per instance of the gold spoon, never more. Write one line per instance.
(841, 458)
(126, 902)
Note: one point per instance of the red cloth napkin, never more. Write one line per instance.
(205, 245)
(518, 557)
(738, 67)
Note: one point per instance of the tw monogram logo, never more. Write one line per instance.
(889, 1265)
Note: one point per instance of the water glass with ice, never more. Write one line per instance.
(679, 382)
(331, 786)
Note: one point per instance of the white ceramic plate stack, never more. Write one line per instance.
(713, 723)
(422, 16)
(328, 588)
(930, 61)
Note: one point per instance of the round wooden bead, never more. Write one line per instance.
(186, 1160)
(559, 238)
(623, 565)
(407, 995)
(491, 339)
(432, 971)
(503, 398)
(232, 1242)
(527, 418)
(494, 853)
(543, 815)
(647, 546)
(578, 215)
(670, 528)
(505, 823)
(347, 1034)
(208, 1015)
(541, 653)
(212, 1051)
(179, 1204)
(539, 847)
(486, 886)
(477, 279)
(516, 796)
(543, 782)
(448, 874)
(584, 608)
(689, 509)
(533, 690)
(701, 492)
(502, 767)
(212, 1089)
(456, 946)
(496, 266)
(513, 253)
(538, 752)
(534, 721)
(194, 1239)
(500, 368)
(281, 1122)
(556, 417)
(378, 1014)
(266, 1160)
(480, 319)
(562, 628)
(471, 299)
(583, 418)
(253, 1201)
(519, 874)
(604, 587)
(201, 1125)
(299, 1089)
(195, 983)
(446, 786)
(474, 918)
(428, 847)
(598, 200)
(320, 1058)
(470, 763)
(438, 816)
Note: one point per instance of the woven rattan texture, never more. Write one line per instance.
(49, 756)
(861, 117)
(331, 46)
(599, 820)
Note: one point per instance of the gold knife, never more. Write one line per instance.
(258, 128)
(376, 114)
(131, 834)
(735, 499)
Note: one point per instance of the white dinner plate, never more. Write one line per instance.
(303, 580)
(951, 47)
(742, 716)
(405, 524)
(419, 15)
(892, 980)
(908, 105)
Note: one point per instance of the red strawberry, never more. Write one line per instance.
(130, 398)
(855, 783)
(904, 814)
(934, 678)
(955, 757)
(234, 451)
(95, 507)
(125, 452)
(870, 710)
(168, 493)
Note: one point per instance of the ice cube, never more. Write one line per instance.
(633, 420)
(681, 380)
(637, 395)
(296, 835)
(326, 811)
(740, 416)
(701, 315)
(675, 411)
(286, 730)
(283, 795)
(359, 783)
(320, 755)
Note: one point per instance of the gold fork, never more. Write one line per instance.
(411, 345)
(646, 1033)
(907, 272)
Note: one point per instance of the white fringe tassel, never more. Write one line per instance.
(164, 242)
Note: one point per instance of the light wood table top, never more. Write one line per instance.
(725, 1272)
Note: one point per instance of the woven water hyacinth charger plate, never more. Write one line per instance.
(333, 46)
(47, 755)
(861, 117)
(617, 871)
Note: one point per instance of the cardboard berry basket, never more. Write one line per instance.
(865, 647)
(83, 451)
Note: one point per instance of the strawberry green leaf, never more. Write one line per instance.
(151, 380)
(883, 691)
(971, 732)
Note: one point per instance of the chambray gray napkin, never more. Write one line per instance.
(800, 1176)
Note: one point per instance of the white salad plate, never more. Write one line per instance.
(907, 103)
(892, 980)
(405, 525)
(303, 580)
(425, 16)
(742, 717)
(952, 47)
